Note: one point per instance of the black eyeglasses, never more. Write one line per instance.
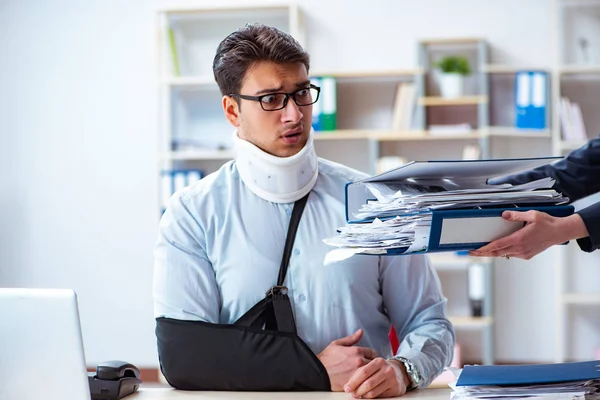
(278, 101)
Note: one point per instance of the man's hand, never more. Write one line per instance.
(379, 378)
(342, 358)
(540, 232)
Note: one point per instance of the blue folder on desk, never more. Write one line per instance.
(484, 375)
(447, 232)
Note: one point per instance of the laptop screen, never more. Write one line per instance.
(42, 347)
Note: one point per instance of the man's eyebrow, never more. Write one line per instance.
(278, 89)
(271, 90)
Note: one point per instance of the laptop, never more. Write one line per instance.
(41, 356)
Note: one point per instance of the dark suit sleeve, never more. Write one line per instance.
(577, 176)
(591, 219)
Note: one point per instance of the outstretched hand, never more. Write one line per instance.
(540, 232)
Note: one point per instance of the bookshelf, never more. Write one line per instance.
(432, 108)
(577, 69)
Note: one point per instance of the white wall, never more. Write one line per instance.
(78, 116)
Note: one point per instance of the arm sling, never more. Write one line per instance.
(260, 351)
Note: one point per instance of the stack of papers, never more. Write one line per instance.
(401, 214)
(394, 199)
(577, 380)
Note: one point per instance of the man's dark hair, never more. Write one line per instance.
(251, 44)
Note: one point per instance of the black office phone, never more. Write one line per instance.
(114, 380)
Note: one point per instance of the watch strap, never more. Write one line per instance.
(413, 373)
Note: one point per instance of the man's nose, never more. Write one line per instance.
(291, 111)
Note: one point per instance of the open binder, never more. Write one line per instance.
(458, 228)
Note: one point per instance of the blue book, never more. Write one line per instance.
(480, 375)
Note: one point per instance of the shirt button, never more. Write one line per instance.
(302, 297)
(288, 211)
(296, 252)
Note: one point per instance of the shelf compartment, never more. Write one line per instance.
(565, 145)
(453, 261)
(509, 131)
(579, 69)
(449, 262)
(197, 32)
(416, 135)
(211, 12)
(451, 41)
(510, 69)
(582, 298)
(206, 81)
(471, 322)
(388, 135)
(459, 101)
(200, 154)
(369, 74)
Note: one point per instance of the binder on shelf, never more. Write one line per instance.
(460, 228)
(317, 113)
(531, 99)
(173, 53)
(404, 105)
(170, 47)
(328, 117)
(531, 374)
(571, 120)
(174, 180)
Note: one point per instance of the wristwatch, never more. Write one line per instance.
(411, 370)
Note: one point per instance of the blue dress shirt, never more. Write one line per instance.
(220, 247)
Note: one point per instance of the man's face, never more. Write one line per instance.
(281, 133)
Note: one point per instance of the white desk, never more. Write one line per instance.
(171, 394)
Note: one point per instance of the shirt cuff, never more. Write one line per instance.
(589, 243)
(420, 361)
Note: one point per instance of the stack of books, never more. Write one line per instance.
(571, 121)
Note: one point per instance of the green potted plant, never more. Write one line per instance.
(453, 70)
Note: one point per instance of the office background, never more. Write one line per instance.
(78, 152)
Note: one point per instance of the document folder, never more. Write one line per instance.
(483, 375)
(461, 228)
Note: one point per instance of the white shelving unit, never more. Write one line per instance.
(577, 68)
(193, 130)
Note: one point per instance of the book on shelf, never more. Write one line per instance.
(387, 163)
(328, 117)
(531, 99)
(170, 48)
(571, 121)
(175, 180)
(471, 152)
(404, 105)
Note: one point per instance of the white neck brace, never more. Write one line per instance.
(276, 179)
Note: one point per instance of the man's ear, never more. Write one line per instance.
(232, 110)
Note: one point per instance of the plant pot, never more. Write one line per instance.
(451, 85)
